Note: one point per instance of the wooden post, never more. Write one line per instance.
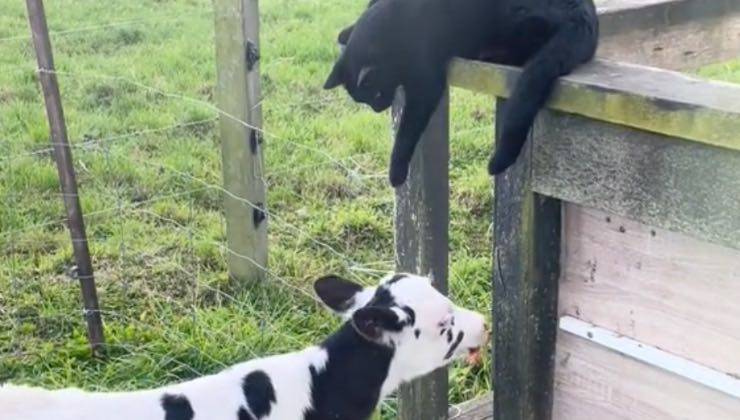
(422, 241)
(65, 168)
(525, 282)
(239, 98)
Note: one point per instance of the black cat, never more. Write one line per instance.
(410, 42)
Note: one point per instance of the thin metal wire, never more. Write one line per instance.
(102, 141)
(105, 211)
(350, 263)
(205, 104)
(129, 22)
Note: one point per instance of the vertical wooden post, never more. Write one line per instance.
(65, 168)
(525, 282)
(422, 242)
(238, 94)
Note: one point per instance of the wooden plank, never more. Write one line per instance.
(659, 287)
(477, 409)
(526, 268)
(676, 185)
(422, 243)
(239, 97)
(66, 171)
(670, 34)
(648, 99)
(653, 356)
(592, 382)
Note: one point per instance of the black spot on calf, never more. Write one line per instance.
(177, 407)
(395, 279)
(457, 342)
(259, 393)
(411, 314)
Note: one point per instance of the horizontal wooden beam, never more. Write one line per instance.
(645, 98)
(653, 356)
(669, 34)
(634, 279)
(478, 409)
(620, 16)
(662, 181)
(594, 382)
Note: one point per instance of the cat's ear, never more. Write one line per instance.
(336, 77)
(343, 37)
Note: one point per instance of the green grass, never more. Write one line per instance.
(154, 210)
(170, 310)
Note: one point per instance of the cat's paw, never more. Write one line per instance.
(500, 162)
(398, 173)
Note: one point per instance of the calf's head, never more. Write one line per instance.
(407, 314)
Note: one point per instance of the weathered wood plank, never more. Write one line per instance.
(648, 99)
(653, 356)
(239, 96)
(636, 279)
(670, 34)
(676, 185)
(422, 243)
(66, 172)
(592, 382)
(478, 409)
(526, 269)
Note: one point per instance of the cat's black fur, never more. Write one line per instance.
(410, 42)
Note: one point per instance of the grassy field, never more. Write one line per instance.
(149, 168)
(154, 208)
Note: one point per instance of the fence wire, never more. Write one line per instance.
(117, 268)
(153, 291)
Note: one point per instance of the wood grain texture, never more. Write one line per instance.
(422, 243)
(477, 409)
(525, 281)
(644, 98)
(669, 34)
(239, 96)
(653, 356)
(66, 173)
(592, 382)
(676, 185)
(658, 287)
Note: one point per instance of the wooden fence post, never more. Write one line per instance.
(526, 256)
(238, 95)
(422, 242)
(65, 168)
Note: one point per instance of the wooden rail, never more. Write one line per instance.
(651, 145)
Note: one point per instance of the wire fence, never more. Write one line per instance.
(155, 228)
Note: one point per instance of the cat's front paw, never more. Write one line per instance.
(500, 162)
(398, 173)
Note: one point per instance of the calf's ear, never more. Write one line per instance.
(337, 293)
(372, 321)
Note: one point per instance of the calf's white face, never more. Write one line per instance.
(406, 313)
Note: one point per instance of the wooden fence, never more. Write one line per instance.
(613, 151)
(617, 231)
(617, 234)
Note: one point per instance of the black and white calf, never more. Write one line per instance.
(395, 332)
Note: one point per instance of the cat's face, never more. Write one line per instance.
(367, 67)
